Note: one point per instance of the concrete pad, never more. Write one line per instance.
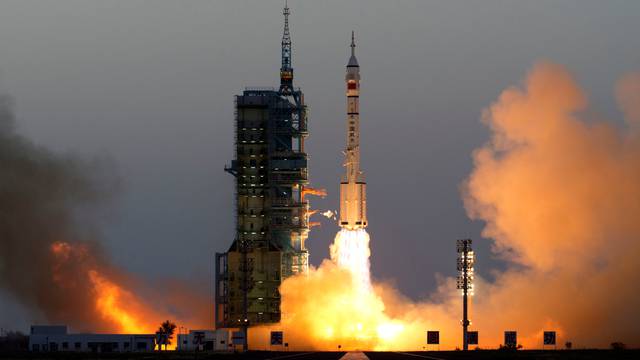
(354, 356)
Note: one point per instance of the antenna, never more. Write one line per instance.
(286, 71)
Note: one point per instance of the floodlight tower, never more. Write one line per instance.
(465, 283)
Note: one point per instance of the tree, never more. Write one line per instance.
(165, 334)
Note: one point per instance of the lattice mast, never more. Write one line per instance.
(466, 260)
(286, 70)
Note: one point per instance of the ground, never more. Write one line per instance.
(264, 355)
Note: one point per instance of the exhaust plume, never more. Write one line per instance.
(350, 250)
(560, 196)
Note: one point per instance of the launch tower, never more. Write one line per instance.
(272, 216)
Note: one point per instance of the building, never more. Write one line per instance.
(272, 216)
(205, 340)
(56, 338)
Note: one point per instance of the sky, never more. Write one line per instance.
(150, 85)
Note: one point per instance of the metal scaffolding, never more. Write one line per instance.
(271, 215)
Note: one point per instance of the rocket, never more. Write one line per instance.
(353, 188)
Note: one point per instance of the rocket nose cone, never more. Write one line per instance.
(353, 62)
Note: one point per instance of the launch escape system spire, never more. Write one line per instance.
(272, 214)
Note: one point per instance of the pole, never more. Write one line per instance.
(245, 294)
(465, 318)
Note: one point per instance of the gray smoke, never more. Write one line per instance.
(49, 238)
(42, 197)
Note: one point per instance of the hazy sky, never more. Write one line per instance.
(151, 84)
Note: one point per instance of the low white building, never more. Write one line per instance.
(56, 338)
(205, 340)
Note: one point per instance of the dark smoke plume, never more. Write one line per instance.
(51, 260)
(40, 195)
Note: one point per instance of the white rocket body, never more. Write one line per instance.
(353, 188)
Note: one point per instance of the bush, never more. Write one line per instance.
(14, 341)
(618, 346)
(510, 347)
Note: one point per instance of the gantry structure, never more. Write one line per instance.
(272, 215)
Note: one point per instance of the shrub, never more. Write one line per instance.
(618, 345)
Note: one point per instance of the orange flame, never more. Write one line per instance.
(120, 309)
(315, 192)
(112, 302)
(314, 223)
(540, 149)
(352, 314)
